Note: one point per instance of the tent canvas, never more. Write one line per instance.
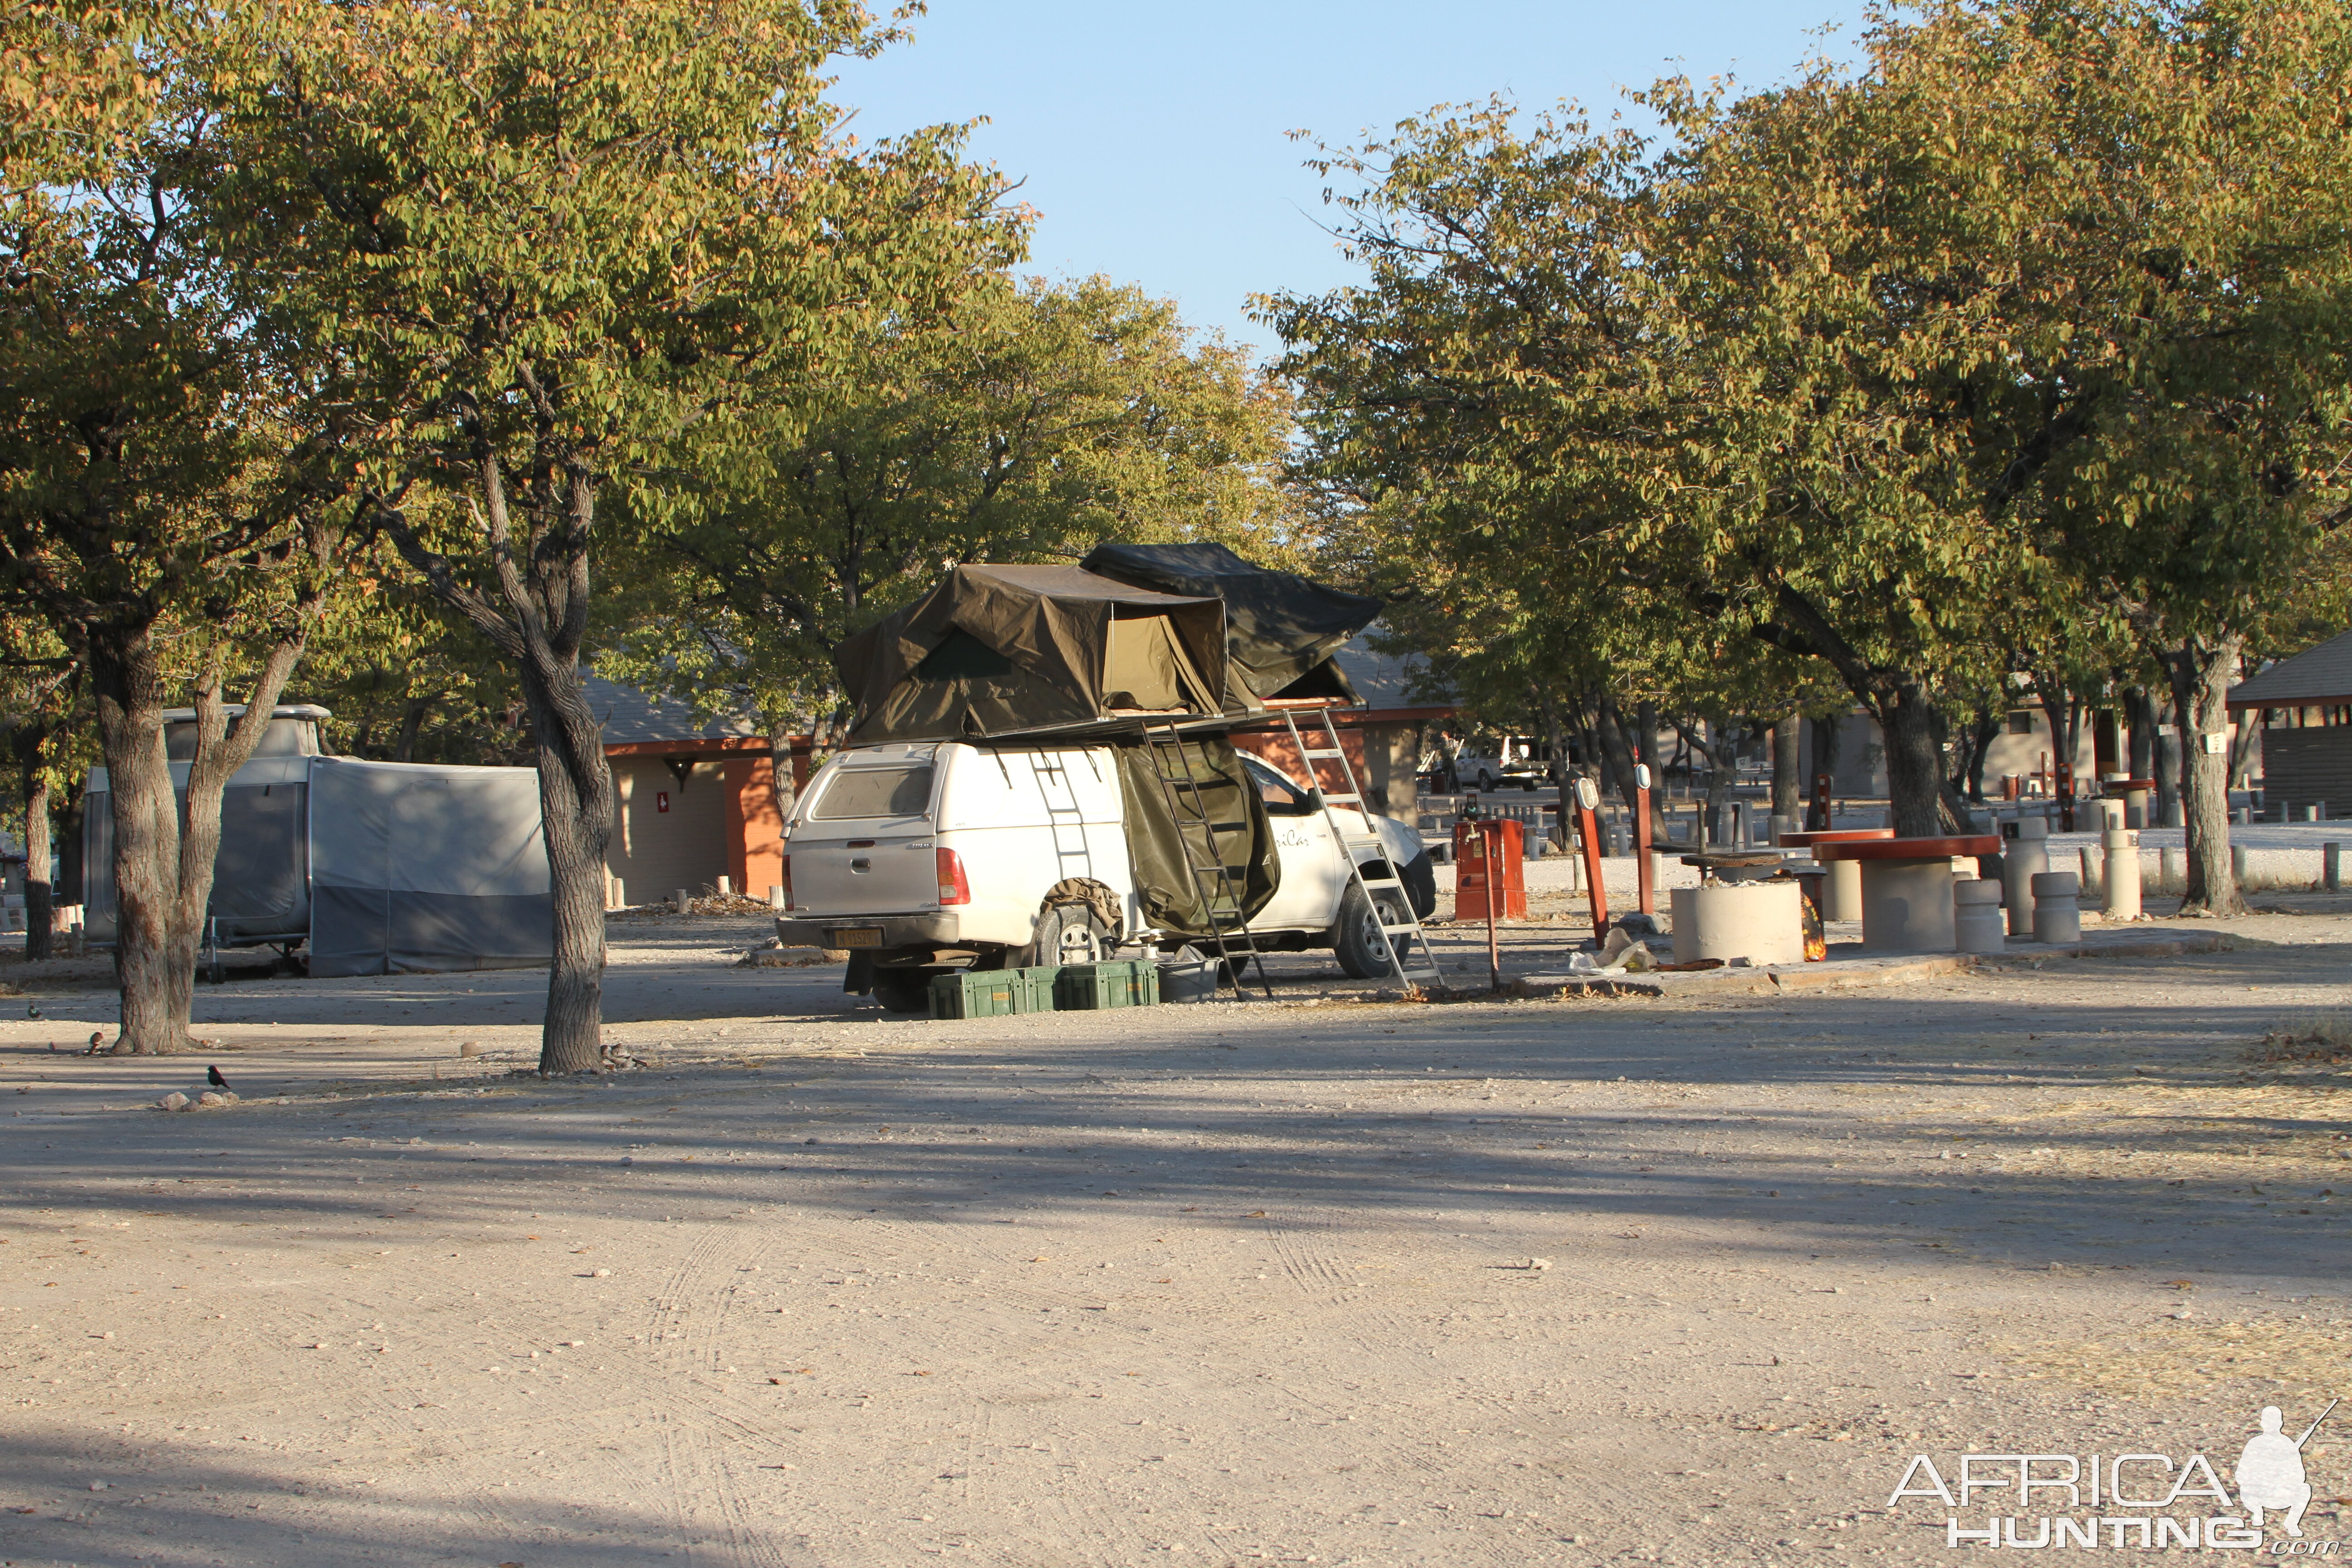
(1004, 650)
(418, 870)
(1281, 629)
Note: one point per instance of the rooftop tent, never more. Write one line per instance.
(1002, 650)
(1281, 629)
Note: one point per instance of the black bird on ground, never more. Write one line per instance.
(213, 1076)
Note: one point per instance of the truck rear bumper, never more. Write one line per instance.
(860, 934)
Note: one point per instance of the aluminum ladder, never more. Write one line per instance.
(1355, 847)
(1213, 884)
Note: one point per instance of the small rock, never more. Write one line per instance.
(469, 1048)
(175, 1101)
(600, 1274)
(209, 1098)
(1539, 1263)
(98, 1485)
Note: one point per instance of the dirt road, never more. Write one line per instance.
(1319, 1282)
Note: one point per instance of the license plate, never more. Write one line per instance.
(857, 936)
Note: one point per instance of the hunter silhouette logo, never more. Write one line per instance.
(2270, 1472)
(2127, 1500)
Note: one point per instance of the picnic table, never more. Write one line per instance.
(1906, 886)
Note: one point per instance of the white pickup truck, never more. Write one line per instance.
(920, 857)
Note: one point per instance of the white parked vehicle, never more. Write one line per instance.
(920, 857)
(1515, 760)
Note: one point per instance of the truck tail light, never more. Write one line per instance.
(954, 889)
(788, 881)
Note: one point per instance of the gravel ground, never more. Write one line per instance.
(1225, 1284)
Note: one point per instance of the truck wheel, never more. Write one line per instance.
(1070, 933)
(1486, 782)
(904, 990)
(1362, 946)
(1420, 878)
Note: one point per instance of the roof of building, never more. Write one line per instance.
(1387, 681)
(2310, 680)
(631, 716)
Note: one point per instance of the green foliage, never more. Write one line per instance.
(2041, 308)
(1028, 423)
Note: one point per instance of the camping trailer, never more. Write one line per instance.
(368, 867)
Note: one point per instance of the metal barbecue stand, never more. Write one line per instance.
(1354, 847)
(1221, 903)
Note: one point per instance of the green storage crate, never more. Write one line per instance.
(992, 993)
(1121, 983)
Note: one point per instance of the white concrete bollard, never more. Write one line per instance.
(775, 895)
(2238, 865)
(2057, 906)
(2119, 877)
(2086, 874)
(2025, 850)
(1977, 923)
(2172, 870)
(680, 901)
(726, 887)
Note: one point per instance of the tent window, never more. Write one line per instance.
(875, 792)
(962, 657)
(1146, 667)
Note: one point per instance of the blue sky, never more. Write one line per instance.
(1153, 139)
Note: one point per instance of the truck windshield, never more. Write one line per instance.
(875, 792)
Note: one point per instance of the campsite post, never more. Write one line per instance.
(1587, 834)
(1646, 868)
(1490, 843)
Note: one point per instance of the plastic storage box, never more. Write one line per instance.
(992, 993)
(1119, 983)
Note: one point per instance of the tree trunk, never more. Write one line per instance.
(1914, 770)
(1556, 733)
(2201, 672)
(1616, 756)
(575, 802)
(127, 679)
(1981, 739)
(1788, 789)
(1826, 737)
(412, 722)
(2141, 714)
(39, 902)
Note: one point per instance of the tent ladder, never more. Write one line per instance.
(1356, 847)
(1213, 884)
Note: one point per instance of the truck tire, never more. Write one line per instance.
(1418, 876)
(904, 990)
(1070, 933)
(1362, 947)
(1486, 782)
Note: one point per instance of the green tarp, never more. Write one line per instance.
(1174, 898)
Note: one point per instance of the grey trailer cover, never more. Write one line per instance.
(419, 868)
